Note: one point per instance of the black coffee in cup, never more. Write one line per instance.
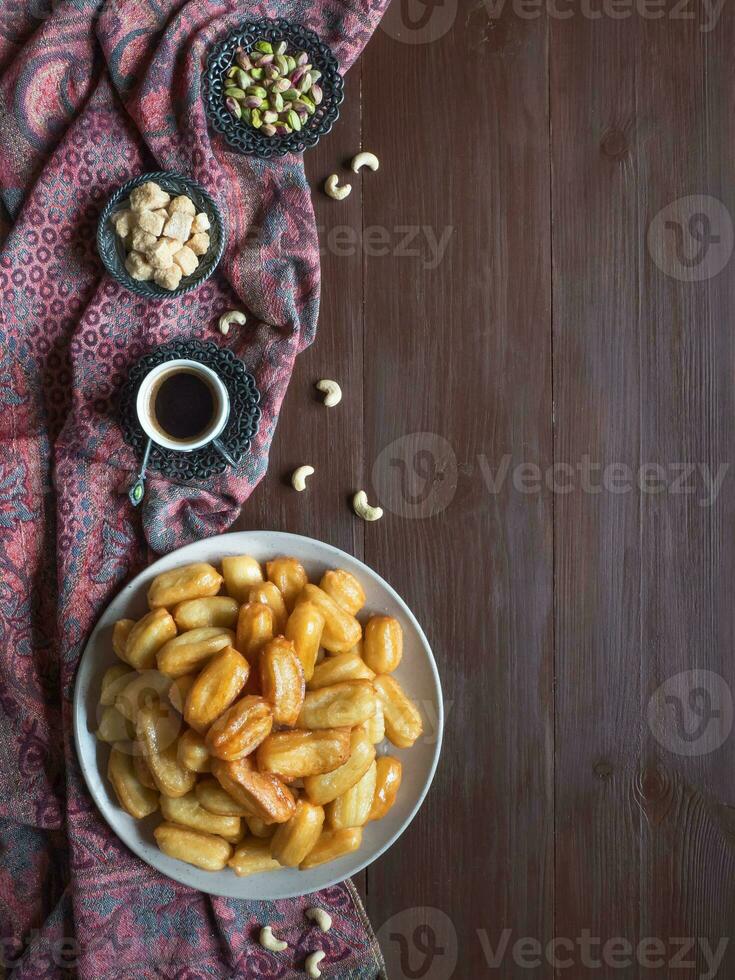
(183, 404)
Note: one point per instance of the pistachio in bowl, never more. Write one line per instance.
(273, 88)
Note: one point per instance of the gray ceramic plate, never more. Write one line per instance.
(417, 673)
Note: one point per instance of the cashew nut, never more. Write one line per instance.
(268, 941)
(299, 475)
(312, 964)
(363, 509)
(364, 159)
(332, 392)
(233, 316)
(322, 918)
(332, 188)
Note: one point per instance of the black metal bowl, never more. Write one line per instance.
(240, 134)
(112, 250)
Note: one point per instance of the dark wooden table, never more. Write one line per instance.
(537, 288)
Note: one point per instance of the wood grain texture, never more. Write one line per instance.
(462, 352)
(597, 351)
(329, 440)
(642, 375)
(539, 335)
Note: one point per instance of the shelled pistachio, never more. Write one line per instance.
(271, 89)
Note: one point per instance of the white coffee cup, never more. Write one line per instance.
(146, 402)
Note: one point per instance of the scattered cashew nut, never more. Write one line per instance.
(364, 159)
(332, 392)
(268, 941)
(299, 475)
(322, 918)
(332, 188)
(227, 319)
(312, 964)
(363, 509)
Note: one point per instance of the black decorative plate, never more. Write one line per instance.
(112, 250)
(240, 134)
(242, 425)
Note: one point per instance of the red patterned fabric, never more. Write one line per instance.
(92, 93)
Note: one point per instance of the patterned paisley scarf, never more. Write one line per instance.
(92, 93)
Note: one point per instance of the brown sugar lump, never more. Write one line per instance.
(148, 197)
(151, 222)
(168, 278)
(140, 240)
(124, 222)
(178, 226)
(174, 245)
(160, 255)
(182, 203)
(139, 267)
(200, 223)
(199, 243)
(186, 260)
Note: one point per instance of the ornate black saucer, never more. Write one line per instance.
(201, 464)
(239, 134)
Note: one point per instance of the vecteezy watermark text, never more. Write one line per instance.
(596, 953)
(692, 713)
(426, 21)
(692, 238)
(684, 10)
(421, 943)
(422, 242)
(63, 952)
(417, 476)
(593, 477)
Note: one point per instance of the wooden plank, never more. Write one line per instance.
(640, 120)
(457, 347)
(596, 382)
(307, 432)
(688, 554)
